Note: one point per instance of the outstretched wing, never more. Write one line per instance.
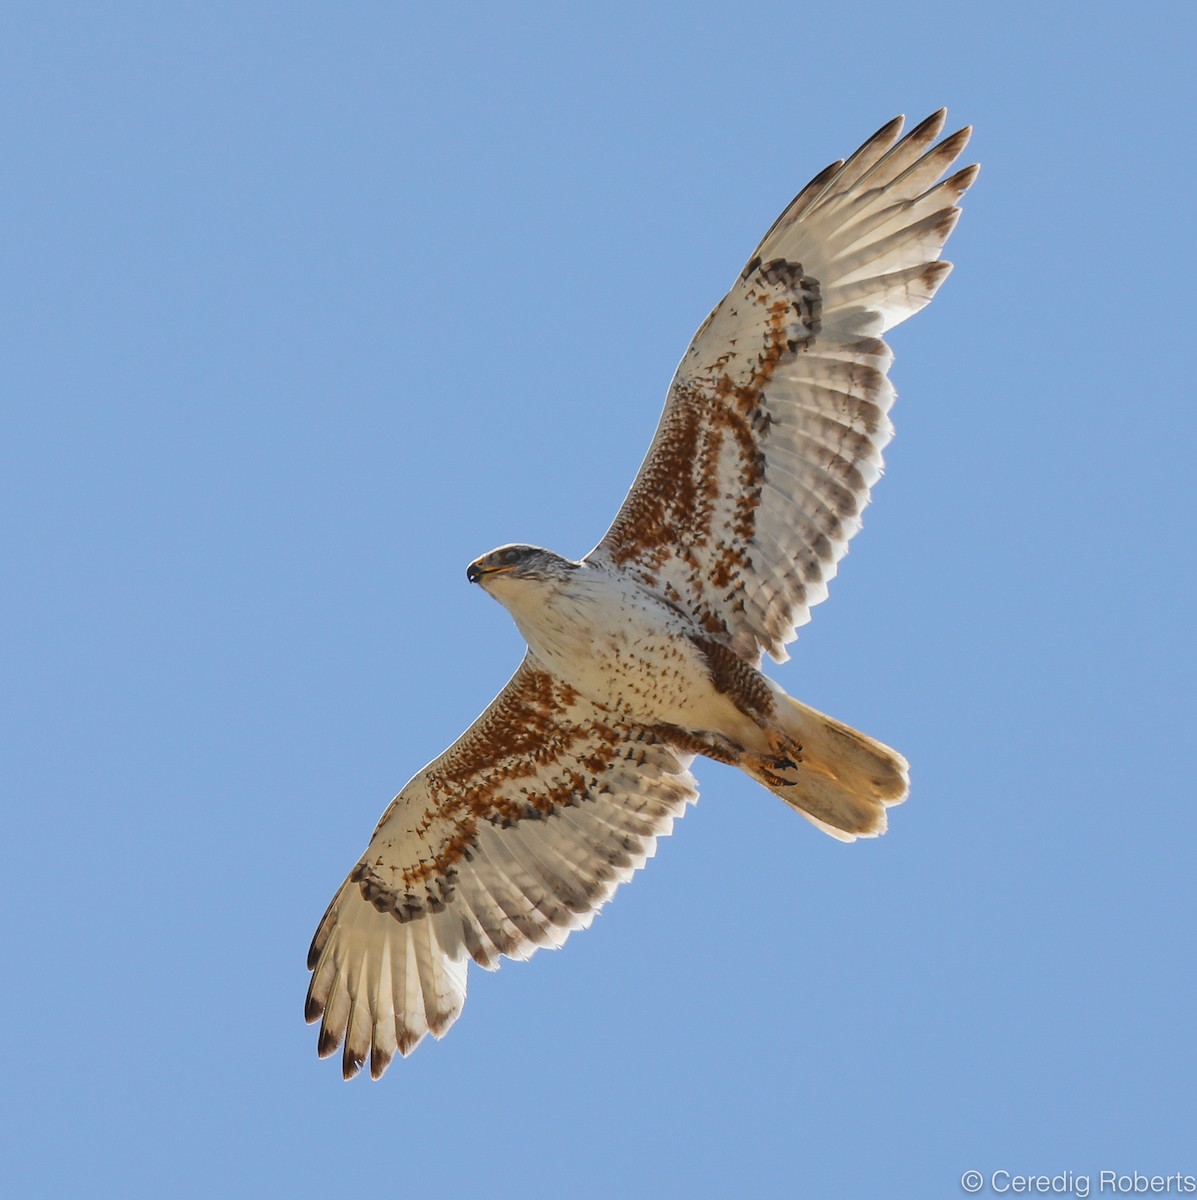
(777, 417)
(510, 840)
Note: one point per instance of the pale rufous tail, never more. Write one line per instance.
(845, 780)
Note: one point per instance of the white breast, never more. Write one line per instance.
(617, 644)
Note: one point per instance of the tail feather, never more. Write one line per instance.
(844, 782)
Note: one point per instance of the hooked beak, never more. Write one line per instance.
(477, 571)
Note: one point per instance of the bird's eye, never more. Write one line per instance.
(510, 555)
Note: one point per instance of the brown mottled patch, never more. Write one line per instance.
(524, 759)
(519, 727)
(667, 533)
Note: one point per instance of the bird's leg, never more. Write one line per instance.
(710, 745)
(785, 754)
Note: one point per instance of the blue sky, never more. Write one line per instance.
(306, 306)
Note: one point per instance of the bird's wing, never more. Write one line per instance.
(511, 839)
(777, 417)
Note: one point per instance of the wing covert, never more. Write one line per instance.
(776, 420)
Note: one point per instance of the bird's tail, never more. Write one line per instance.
(844, 782)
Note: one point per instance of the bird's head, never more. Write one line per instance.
(519, 562)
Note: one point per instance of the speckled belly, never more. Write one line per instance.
(635, 657)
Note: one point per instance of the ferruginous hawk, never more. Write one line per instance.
(646, 652)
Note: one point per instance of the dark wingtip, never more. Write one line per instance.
(351, 1062)
(313, 1010)
(964, 178)
(891, 128)
(327, 1043)
(379, 1061)
(928, 127)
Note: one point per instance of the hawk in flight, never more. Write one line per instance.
(647, 651)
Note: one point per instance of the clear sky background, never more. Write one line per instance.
(307, 305)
